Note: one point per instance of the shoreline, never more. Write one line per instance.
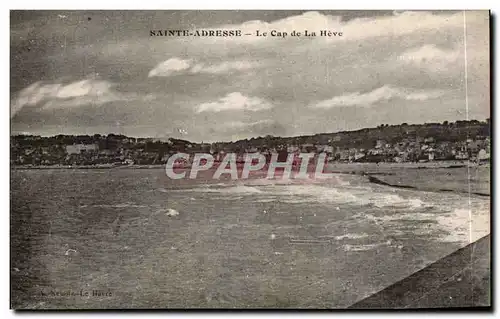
(378, 181)
(332, 165)
(411, 176)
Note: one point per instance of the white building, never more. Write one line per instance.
(483, 155)
(292, 148)
(78, 148)
(324, 148)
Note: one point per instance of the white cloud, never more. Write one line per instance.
(240, 125)
(224, 67)
(399, 24)
(423, 96)
(235, 101)
(170, 67)
(58, 95)
(383, 93)
(175, 66)
(430, 56)
(84, 88)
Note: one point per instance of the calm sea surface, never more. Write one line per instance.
(148, 242)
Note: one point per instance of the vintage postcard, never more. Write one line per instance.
(250, 159)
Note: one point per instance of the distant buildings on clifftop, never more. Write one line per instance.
(398, 143)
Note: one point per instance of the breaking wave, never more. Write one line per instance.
(293, 193)
(454, 225)
(445, 217)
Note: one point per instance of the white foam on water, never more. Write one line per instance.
(266, 200)
(451, 224)
(335, 180)
(399, 207)
(218, 185)
(351, 236)
(317, 194)
(340, 181)
(171, 212)
(236, 189)
(227, 197)
(128, 205)
(361, 196)
(167, 211)
(267, 182)
(461, 228)
(417, 203)
(295, 201)
(122, 205)
(280, 212)
(394, 200)
(402, 216)
(366, 247)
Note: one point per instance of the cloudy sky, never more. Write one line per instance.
(87, 72)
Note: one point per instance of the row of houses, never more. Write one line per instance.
(405, 150)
